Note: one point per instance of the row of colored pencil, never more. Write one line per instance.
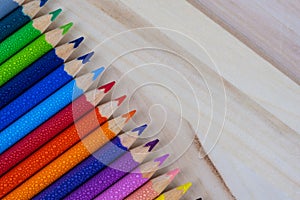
(57, 139)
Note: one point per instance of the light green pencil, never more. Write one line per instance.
(31, 53)
(25, 35)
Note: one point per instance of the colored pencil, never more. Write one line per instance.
(25, 35)
(31, 53)
(154, 187)
(70, 158)
(41, 90)
(35, 72)
(19, 17)
(57, 146)
(92, 165)
(176, 193)
(52, 127)
(8, 6)
(46, 109)
(113, 172)
(133, 180)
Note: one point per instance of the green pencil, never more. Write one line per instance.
(31, 53)
(25, 35)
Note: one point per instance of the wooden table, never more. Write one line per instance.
(223, 99)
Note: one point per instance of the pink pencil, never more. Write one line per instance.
(154, 187)
(132, 181)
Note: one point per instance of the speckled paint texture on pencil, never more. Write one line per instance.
(26, 57)
(12, 22)
(46, 131)
(128, 184)
(85, 170)
(50, 151)
(65, 162)
(107, 177)
(21, 38)
(32, 74)
(38, 115)
(34, 96)
(42, 134)
(7, 6)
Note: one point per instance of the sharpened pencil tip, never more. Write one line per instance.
(185, 187)
(43, 2)
(86, 58)
(162, 159)
(140, 129)
(120, 99)
(151, 144)
(66, 27)
(76, 43)
(97, 72)
(129, 115)
(55, 14)
(173, 173)
(107, 87)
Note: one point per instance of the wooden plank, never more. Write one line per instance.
(270, 28)
(175, 87)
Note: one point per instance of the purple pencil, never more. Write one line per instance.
(113, 172)
(132, 181)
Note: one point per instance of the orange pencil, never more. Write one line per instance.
(57, 146)
(70, 158)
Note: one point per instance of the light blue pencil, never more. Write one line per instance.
(7, 6)
(47, 109)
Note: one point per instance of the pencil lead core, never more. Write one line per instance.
(185, 187)
(140, 129)
(173, 173)
(107, 87)
(151, 144)
(55, 13)
(66, 27)
(120, 99)
(129, 115)
(85, 58)
(76, 44)
(43, 2)
(161, 159)
(97, 72)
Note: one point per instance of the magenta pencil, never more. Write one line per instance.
(132, 181)
(113, 173)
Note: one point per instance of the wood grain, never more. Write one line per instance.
(270, 28)
(188, 77)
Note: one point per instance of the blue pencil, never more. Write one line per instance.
(91, 166)
(19, 17)
(35, 72)
(47, 109)
(41, 90)
(8, 6)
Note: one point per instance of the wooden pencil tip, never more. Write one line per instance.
(97, 72)
(162, 159)
(86, 58)
(43, 2)
(140, 129)
(173, 173)
(76, 43)
(185, 187)
(107, 87)
(66, 27)
(120, 99)
(55, 14)
(151, 144)
(129, 115)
